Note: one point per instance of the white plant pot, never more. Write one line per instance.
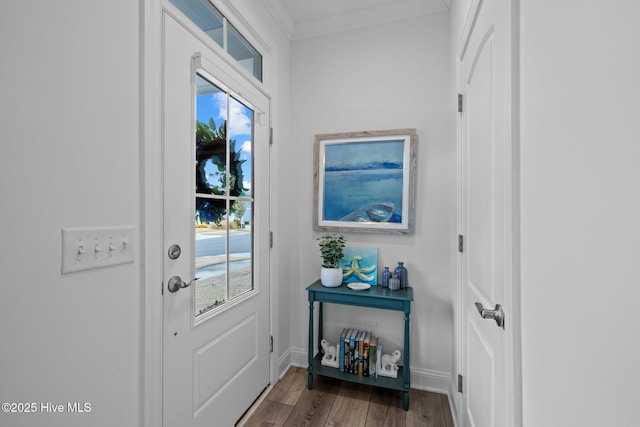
(331, 277)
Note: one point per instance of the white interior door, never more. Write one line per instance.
(485, 217)
(216, 329)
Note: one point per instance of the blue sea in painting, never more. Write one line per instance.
(363, 181)
(347, 191)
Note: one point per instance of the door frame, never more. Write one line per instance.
(151, 202)
(512, 216)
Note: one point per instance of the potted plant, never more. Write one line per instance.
(332, 251)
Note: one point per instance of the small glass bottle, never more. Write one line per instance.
(403, 275)
(386, 275)
(394, 283)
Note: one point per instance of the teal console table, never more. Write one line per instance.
(374, 297)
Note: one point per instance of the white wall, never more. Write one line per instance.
(68, 158)
(390, 76)
(580, 211)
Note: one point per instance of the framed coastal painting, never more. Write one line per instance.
(365, 181)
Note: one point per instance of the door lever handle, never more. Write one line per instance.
(497, 314)
(176, 283)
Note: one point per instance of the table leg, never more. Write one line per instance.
(310, 350)
(320, 323)
(406, 371)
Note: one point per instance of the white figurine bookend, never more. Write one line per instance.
(330, 357)
(389, 364)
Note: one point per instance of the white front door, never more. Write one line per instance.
(216, 183)
(486, 218)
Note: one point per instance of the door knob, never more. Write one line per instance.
(497, 314)
(176, 283)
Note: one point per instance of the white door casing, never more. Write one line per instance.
(215, 365)
(486, 216)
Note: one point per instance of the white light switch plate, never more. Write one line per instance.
(96, 247)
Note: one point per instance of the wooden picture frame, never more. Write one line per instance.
(365, 181)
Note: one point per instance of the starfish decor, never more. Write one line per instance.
(356, 270)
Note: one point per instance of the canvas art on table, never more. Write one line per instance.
(365, 181)
(360, 265)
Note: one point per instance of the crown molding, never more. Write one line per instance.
(367, 17)
(281, 15)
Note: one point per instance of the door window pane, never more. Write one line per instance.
(240, 143)
(223, 197)
(211, 139)
(240, 249)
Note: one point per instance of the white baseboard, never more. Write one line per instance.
(454, 399)
(285, 362)
(429, 380)
(298, 357)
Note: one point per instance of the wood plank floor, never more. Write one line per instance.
(340, 403)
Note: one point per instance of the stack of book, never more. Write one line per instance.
(359, 353)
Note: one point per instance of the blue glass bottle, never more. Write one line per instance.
(394, 283)
(403, 275)
(386, 275)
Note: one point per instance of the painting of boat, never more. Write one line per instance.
(365, 181)
(376, 212)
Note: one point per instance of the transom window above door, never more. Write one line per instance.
(215, 25)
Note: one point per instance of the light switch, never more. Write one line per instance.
(96, 247)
